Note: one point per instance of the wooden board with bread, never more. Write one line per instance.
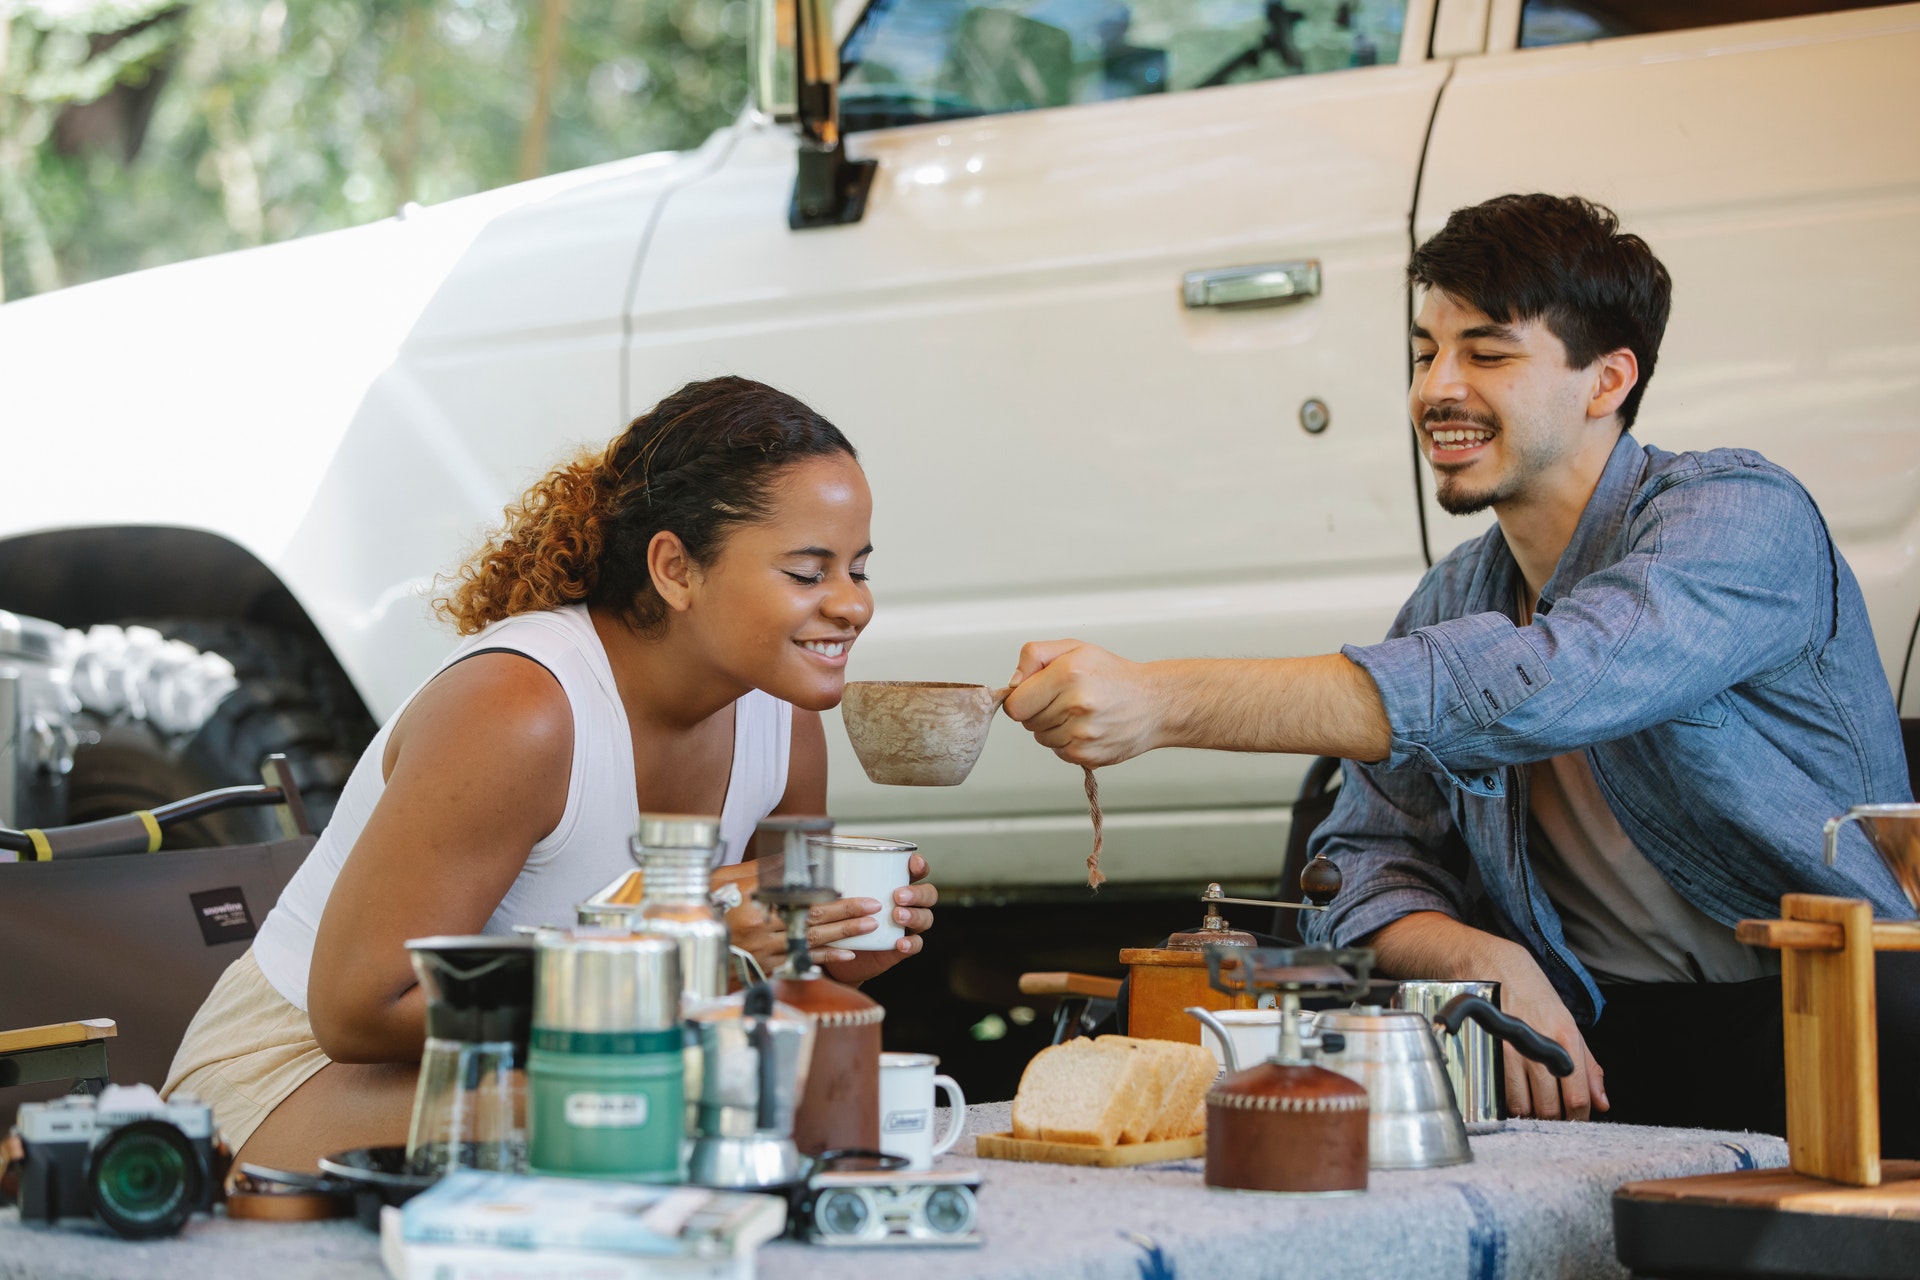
(1109, 1100)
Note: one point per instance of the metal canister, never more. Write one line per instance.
(605, 1070)
(676, 853)
(1472, 1056)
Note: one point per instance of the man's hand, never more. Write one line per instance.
(1092, 707)
(912, 910)
(1428, 944)
(1095, 708)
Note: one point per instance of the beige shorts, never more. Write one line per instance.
(245, 1052)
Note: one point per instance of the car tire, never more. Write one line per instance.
(292, 698)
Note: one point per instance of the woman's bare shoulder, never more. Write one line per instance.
(502, 704)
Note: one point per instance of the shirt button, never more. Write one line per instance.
(1487, 782)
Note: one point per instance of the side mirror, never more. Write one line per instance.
(795, 79)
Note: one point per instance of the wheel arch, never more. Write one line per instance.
(81, 576)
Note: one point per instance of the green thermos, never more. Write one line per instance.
(605, 1069)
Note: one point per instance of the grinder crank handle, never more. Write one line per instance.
(1531, 1043)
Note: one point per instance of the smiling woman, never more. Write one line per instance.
(654, 629)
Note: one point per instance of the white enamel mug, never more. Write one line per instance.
(907, 1084)
(869, 867)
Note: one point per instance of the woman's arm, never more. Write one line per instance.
(476, 775)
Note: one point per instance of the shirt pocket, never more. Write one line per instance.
(1710, 714)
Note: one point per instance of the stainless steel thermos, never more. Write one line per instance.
(605, 1069)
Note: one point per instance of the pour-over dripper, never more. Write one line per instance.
(1894, 832)
(470, 1106)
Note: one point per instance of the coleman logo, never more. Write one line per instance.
(904, 1122)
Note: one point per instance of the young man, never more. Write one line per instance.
(1596, 736)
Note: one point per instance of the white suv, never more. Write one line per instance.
(1117, 323)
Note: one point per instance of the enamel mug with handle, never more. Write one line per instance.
(907, 1084)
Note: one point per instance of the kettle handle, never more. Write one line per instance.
(1205, 1018)
(1522, 1037)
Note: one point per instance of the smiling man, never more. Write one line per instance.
(1598, 735)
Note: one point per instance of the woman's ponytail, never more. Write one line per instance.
(697, 464)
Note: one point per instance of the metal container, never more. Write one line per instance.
(590, 980)
(606, 1069)
(1414, 1121)
(757, 1053)
(676, 853)
(1472, 1057)
(37, 737)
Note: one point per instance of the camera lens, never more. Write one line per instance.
(842, 1212)
(145, 1178)
(949, 1210)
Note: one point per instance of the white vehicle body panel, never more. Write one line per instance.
(1057, 445)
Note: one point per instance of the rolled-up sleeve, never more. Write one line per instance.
(1393, 838)
(1725, 578)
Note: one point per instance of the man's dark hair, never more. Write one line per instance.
(1563, 261)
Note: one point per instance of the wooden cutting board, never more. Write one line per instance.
(1004, 1146)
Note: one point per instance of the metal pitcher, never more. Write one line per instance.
(1415, 1122)
(1894, 832)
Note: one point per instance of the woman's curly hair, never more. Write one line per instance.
(698, 464)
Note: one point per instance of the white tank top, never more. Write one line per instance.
(588, 849)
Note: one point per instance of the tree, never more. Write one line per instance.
(137, 132)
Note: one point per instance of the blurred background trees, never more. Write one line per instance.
(138, 132)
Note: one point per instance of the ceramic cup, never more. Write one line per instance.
(907, 1084)
(866, 867)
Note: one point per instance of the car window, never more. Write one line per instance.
(1550, 22)
(911, 61)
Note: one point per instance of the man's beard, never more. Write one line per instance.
(1452, 493)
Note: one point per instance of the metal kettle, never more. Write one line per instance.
(1414, 1121)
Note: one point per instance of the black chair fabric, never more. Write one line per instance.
(139, 938)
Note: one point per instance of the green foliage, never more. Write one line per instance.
(138, 132)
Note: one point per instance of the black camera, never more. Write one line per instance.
(140, 1165)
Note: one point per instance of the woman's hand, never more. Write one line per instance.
(756, 930)
(912, 909)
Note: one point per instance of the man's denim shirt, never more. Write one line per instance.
(1705, 644)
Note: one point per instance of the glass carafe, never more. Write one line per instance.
(470, 1106)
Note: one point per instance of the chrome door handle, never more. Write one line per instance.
(1266, 285)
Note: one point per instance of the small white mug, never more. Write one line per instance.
(869, 867)
(907, 1084)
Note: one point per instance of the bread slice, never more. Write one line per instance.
(1154, 1090)
(1186, 1071)
(1186, 1112)
(1084, 1092)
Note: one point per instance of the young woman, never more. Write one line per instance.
(654, 630)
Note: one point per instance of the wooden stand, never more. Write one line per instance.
(1837, 1211)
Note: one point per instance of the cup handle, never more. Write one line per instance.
(956, 1113)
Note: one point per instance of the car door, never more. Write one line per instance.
(1774, 168)
(1059, 445)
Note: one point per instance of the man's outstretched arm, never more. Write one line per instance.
(1096, 708)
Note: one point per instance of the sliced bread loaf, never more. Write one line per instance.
(1085, 1092)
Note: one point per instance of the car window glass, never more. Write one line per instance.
(911, 61)
(1550, 22)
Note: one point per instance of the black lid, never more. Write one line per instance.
(479, 987)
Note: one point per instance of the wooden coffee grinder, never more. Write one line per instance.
(1163, 981)
(1826, 950)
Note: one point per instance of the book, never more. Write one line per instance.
(501, 1212)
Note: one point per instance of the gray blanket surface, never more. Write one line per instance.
(1535, 1201)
